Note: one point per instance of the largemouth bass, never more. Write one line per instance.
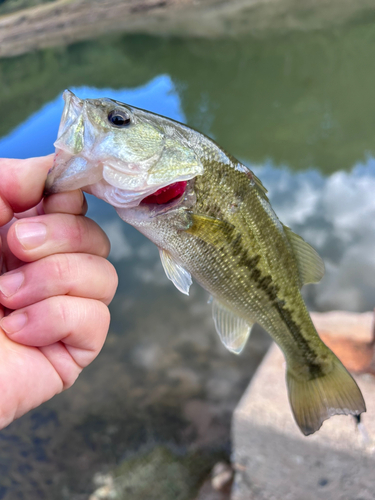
(211, 219)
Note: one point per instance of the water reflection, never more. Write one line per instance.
(299, 110)
(303, 100)
(336, 214)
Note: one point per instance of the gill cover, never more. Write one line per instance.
(121, 165)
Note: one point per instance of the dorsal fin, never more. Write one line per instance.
(175, 272)
(233, 330)
(259, 187)
(254, 180)
(310, 264)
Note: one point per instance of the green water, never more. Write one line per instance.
(7, 6)
(300, 110)
(304, 100)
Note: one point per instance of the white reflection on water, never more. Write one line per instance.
(336, 214)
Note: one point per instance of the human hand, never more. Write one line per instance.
(55, 290)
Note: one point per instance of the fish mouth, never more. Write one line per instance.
(166, 195)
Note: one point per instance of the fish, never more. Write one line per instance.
(211, 219)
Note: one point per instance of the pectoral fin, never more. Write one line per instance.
(175, 272)
(211, 230)
(310, 264)
(233, 330)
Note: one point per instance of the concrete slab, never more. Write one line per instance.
(274, 461)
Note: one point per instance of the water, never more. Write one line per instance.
(299, 109)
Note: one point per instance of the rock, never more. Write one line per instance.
(106, 490)
(274, 461)
(207, 492)
(158, 474)
(222, 476)
(350, 336)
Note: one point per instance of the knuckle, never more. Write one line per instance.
(111, 281)
(91, 237)
(61, 266)
(105, 245)
(102, 315)
(81, 230)
(97, 314)
(61, 310)
(105, 316)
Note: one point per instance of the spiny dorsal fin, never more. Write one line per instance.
(259, 187)
(310, 264)
(254, 180)
(175, 272)
(233, 330)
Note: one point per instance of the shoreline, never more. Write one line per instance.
(67, 21)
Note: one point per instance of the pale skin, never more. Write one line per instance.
(54, 290)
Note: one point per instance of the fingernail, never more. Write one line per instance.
(11, 283)
(31, 234)
(13, 323)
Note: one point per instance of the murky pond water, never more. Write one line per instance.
(299, 109)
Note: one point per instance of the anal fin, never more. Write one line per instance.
(233, 330)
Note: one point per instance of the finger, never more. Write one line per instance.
(22, 184)
(78, 275)
(22, 369)
(72, 202)
(36, 237)
(32, 212)
(80, 324)
(2, 268)
(10, 261)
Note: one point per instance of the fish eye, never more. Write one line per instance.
(118, 118)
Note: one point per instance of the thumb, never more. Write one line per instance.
(21, 184)
(1, 272)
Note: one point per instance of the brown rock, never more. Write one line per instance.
(350, 336)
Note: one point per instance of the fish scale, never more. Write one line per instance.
(221, 230)
(268, 265)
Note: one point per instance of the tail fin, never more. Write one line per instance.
(313, 401)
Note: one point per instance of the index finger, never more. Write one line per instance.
(21, 184)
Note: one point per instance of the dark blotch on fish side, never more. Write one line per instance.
(246, 261)
(309, 355)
